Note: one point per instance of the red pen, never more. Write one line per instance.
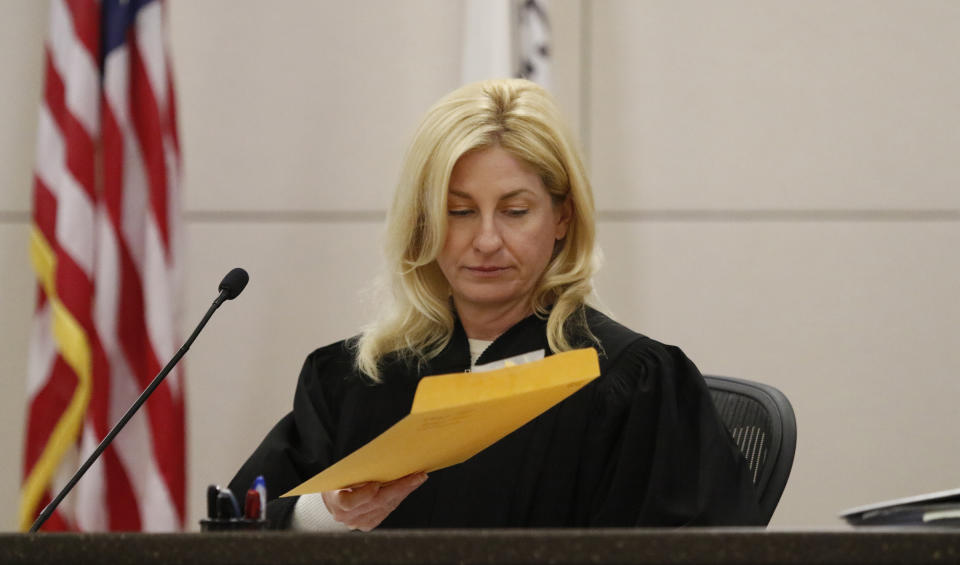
(251, 507)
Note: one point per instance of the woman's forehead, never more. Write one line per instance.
(516, 193)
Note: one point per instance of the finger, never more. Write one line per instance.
(352, 488)
(369, 520)
(349, 503)
(417, 478)
(393, 493)
(351, 516)
(335, 505)
(390, 496)
(355, 505)
(372, 494)
(351, 498)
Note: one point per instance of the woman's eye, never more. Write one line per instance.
(516, 212)
(459, 211)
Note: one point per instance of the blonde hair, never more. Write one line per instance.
(520, 117)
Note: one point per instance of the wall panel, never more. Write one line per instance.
(16, 310)
(21, 66)
(855, 322)
(306, 105)
(309, 286)
(758, 105)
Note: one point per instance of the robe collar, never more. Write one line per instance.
(529, 334)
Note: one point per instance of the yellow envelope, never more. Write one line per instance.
(456, 416)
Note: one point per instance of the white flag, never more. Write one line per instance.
(506, 38)
(533, 36)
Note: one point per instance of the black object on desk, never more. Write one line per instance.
(936, 509)
(224, 513)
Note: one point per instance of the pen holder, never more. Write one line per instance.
(225, 514)
(233, 524)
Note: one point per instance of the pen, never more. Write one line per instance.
(251, 506)
(212, 492)
(260, 486)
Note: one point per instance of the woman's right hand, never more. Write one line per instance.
(364, 506)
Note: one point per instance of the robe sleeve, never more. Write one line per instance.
(300, 445)
(671, 460)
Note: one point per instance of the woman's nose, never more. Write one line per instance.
(488, 238)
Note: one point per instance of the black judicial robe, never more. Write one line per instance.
(642, 445)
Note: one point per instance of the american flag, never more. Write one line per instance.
(104, 244)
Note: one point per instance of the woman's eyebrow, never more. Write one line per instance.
(511, 194)
(459, 193)
(515, 193)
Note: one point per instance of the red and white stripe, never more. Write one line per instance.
(107, 203)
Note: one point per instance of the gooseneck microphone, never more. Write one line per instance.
(230, 287)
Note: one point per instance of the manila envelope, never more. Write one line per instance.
(456, 416)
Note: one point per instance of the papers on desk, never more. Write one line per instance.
(456, 416)
(933, 509)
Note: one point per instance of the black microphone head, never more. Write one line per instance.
(233, 284)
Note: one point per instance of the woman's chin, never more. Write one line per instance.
(490, 299)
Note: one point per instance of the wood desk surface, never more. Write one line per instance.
(904, 545)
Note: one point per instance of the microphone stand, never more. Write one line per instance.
(48, 510)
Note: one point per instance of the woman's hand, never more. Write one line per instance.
(364, 506)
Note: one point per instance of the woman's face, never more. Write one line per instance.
(502, 227)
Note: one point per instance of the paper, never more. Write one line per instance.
(456, 416)
(510, 361)
(933, 509)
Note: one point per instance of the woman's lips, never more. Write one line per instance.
(486, 270)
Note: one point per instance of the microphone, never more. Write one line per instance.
(233, 284)
(230, 287)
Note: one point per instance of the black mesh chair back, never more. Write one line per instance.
(763, 425)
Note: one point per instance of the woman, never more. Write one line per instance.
(490, 251)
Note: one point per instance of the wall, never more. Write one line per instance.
(21, 68)
(774, 181)
(781, 193)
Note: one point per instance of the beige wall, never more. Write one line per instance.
(21, 69)
(788, 208)
(775, 183)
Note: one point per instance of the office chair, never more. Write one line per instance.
(763, 425)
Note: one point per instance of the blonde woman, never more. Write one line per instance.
(490, 255)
